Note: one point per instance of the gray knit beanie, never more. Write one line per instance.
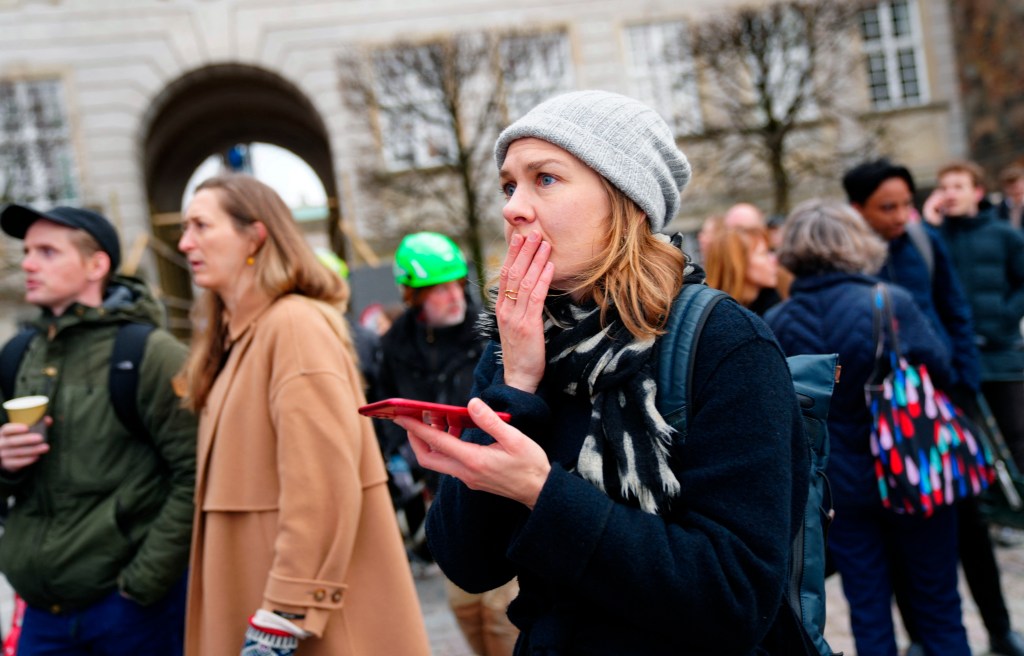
(624, 140)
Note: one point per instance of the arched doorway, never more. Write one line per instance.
(208, 111)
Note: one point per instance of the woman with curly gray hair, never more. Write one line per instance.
(833, 252)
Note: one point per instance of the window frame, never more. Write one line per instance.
(49, 175)
(663, 83)
(523, 92)
(887, 47)
(427, 136)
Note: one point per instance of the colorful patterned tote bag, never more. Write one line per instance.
(927, 452)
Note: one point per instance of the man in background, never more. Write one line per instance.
(429, 354)
(98, 537)
(988, 256)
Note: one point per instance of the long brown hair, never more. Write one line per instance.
(285, 264)
(639, 273)
(728, 258)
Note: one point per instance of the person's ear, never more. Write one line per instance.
(259, 234)
(97, 266)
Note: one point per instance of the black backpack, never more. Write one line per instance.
(800, 624)
(123, 381)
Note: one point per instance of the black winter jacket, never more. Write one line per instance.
(989, 258)
(941, 297)
(427, 364)
(600, 577)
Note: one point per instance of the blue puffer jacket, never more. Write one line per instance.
(832, 313)
(940, 296)
(989, 258)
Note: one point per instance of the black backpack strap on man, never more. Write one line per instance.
(123, 379)
(10, 359)
(123, 382)
(800, 625)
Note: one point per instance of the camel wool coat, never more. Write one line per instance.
(292, 508)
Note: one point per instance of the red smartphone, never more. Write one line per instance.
(453, 416)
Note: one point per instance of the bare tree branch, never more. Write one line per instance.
(437, 108)
(777, 80)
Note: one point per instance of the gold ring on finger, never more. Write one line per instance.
(511, 295)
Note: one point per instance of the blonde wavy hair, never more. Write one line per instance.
(285, 264)
(637, 272)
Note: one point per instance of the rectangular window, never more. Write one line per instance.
(36, 161)
(891, 35)
(535, 67)
(416, 128)
(663, 74)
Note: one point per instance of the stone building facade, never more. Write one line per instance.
(114, 103)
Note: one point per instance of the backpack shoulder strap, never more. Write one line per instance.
(10, 359)
(923, 243)
(690, 311)
(125, 364)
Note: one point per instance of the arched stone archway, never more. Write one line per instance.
(207, 111)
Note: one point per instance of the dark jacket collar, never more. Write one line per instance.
(812, 283)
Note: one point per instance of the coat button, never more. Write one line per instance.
(319, 595)
(336, 596)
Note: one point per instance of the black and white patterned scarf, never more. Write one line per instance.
(628, 444)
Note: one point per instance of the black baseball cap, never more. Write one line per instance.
(16, 219)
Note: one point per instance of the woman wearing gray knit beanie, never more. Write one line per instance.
(626, 537)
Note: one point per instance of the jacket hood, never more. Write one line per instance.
(127, 299)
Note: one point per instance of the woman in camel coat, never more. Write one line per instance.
(296, 547)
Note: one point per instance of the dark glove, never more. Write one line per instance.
(268, 642)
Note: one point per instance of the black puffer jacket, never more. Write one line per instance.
(989, 258)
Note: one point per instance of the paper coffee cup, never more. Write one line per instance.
(26, 410)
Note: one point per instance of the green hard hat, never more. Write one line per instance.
(428, 258)
(331, 260)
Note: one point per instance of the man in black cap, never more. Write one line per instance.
(97, 539)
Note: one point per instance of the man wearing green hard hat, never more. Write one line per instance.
(431, 349)
(431, 272)
(429, 354)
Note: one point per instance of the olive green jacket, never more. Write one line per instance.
(103, 508)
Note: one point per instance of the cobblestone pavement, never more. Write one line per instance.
(1011, 566)
(445, 639)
